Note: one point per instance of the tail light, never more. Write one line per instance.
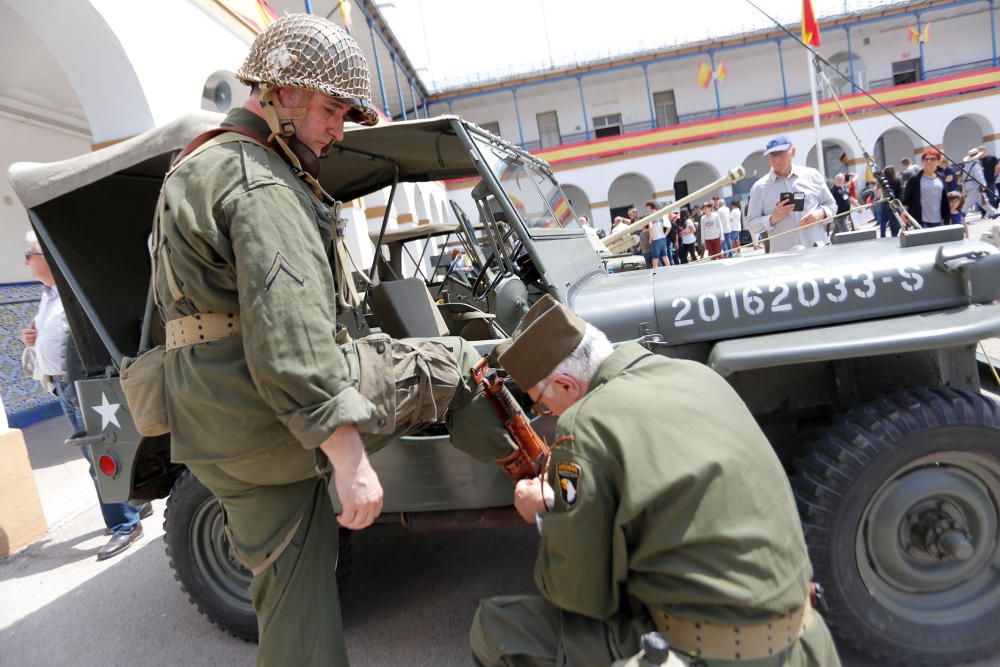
(108, 465)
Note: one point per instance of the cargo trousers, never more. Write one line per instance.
(280, 520)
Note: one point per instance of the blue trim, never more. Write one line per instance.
(993, 34)
(649, 95)
(526, 84)
(850, 57)
(378, 67)
(920, 42)
(715, 85)
(399, 91)
(413, 99)
(39, 413)
(517, 114)
(781, 64)
(309, 7)
(583, 105)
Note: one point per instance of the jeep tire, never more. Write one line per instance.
(198, 552)
(899, 504)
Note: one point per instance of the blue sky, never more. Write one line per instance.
(456, 42)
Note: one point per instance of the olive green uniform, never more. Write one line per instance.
(696, 518)
(244, 235)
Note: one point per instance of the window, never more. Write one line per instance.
(906, 71)
(665, 107)
(548, 129)
(608, 126)
(493, 127)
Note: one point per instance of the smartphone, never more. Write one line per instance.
(797, 198)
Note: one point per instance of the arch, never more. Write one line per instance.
(756, 166)
(692, 176)
(629, 190)
(965, 132)
(837, 158)
(420, 206)
(578, 200)
(893, 145)
(81, 29)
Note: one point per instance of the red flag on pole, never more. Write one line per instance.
(810, 28)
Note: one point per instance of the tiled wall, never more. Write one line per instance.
(23, 398)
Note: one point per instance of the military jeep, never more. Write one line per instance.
(857, 359)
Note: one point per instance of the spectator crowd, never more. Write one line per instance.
(792, 206)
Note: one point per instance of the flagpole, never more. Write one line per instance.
(811, 68)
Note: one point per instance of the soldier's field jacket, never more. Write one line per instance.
(678, 502)
(245, 235)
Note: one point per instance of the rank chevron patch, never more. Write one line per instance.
(281, 265)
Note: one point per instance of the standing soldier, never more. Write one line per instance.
(691, 530)
(257, 385)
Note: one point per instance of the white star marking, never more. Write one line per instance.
(108, 412)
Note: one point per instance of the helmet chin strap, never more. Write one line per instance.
(281, 121)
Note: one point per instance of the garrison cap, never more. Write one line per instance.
(548, 334)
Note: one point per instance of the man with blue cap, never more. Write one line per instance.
(789, 201)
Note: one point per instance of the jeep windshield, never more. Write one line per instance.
(534, 194)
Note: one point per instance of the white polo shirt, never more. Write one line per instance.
(53, 329)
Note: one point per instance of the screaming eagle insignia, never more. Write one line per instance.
(568, 475)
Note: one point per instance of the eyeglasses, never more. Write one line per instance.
(28, 255)
(538, 408)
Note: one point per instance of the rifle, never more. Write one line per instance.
(526, 462)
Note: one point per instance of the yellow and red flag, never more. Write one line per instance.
(345, 13)
(810, 28)
(254, 14)
(706, 75)
(920, 36)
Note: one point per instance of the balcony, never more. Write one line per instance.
(879, 86)
(936, 84)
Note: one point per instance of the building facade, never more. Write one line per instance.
(627, 130)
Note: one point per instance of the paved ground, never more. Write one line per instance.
(410, 601)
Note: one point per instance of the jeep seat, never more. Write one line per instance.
(404, 309)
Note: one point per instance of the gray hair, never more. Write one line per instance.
(32, 239)
(583, 361)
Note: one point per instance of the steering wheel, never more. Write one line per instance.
(524, 268)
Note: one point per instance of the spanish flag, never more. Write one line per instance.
(345, 13)
(921, 36)
(254, 14)
(706, 75)
(560, 206)
(810, 28)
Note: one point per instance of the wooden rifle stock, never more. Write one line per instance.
(527, 461)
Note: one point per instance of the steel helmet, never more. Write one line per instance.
(305, 51)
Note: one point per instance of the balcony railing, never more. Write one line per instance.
(763, 105)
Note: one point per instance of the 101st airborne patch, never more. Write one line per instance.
(568, 475)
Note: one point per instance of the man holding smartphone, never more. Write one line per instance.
(789, 201)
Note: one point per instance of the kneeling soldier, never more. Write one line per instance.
(690, 530)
